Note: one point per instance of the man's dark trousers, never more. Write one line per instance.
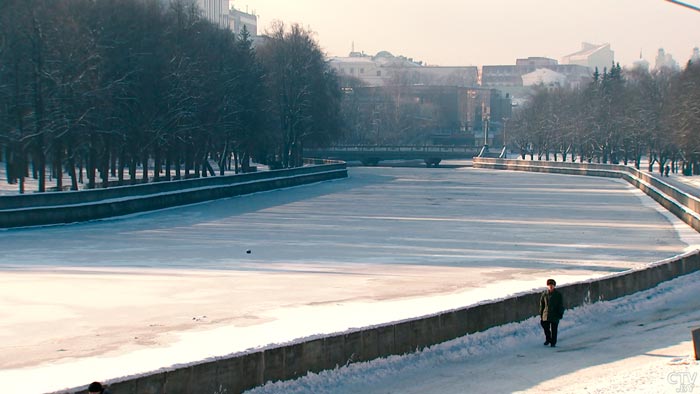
(550, 330)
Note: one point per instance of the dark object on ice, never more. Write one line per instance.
(248, 251)
(696, 342)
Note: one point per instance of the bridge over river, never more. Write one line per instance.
(371, 155)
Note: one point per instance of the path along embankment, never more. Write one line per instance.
(49, 208)
(683, 205)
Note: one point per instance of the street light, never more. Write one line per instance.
(485, 117)
(505, 141)
(486, 130)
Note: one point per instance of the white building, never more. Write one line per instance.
(641, 64)
(360, 67)
(519, 78)
(225, 16)
(385, 69)
(545, 77)
(215, 11)
(239, 19)
(665, 60)
(592, 56)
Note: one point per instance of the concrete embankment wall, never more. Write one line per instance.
(77, 206)
(240, 372)
(679, 203)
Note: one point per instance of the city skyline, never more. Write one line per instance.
(459, 33)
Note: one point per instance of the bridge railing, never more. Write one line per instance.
(398, 148)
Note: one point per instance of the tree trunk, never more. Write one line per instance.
(41, 165)
(178, 162)
(144, 161)
(168, 163)
(156, 165)
(91, 164)
(132, 168)
(113, 162)
(122, 164)
(104, 168)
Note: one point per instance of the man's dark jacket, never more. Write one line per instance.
(551, 306)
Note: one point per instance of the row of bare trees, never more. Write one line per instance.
(137, 90)
(620, 117)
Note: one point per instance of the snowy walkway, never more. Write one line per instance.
(636, 344)
(122, 296)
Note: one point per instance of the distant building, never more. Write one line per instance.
(446, 105)
(215, 11)
(545, 77)
(536, 62)
(364, 68)
(441, 115)
(517, 79)
(665, 60)
(219, 13)
(641, 63)
(385, 69)
(239, 19)
(592, 56)
(695, 58)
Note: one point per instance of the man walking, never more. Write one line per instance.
(551, 311)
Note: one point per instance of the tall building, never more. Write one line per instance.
(239, 19)
(215, 11)
(695, 58)
(665, 60)
(592, 56)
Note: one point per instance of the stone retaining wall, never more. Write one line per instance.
(679, 203)
(77, 206)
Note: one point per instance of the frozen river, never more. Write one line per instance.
(128, 295)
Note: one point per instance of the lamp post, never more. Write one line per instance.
(486, 130)
(485, 115)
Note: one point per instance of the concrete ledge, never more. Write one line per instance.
(679, 203)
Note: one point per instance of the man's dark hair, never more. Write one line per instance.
(551, 282)
(96, 387)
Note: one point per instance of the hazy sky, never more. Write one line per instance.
(471, 32)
